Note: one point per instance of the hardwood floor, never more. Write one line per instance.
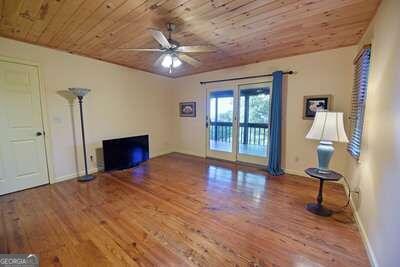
(178, 210)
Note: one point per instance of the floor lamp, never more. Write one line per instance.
(80, 93)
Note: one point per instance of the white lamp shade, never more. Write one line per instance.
(176, 62)
(328, 126)
(79, 91)
(167, 61)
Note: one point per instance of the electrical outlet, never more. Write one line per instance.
(356, 197)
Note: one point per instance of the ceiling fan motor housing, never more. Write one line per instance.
(174, 44)
(170, 28)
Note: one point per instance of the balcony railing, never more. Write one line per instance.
(249, 133)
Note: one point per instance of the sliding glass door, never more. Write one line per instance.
(238, 122)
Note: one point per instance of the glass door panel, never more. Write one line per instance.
(220, 123)
(254, 109)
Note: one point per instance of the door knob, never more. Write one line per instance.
(38, 134)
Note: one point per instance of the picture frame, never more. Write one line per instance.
(187, 109)
(314, 103)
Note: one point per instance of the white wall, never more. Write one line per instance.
(377, 174)
(327, 72)
(123, 102)
(128, 102)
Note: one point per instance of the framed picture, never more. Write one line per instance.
(315, 103)
(187, 109)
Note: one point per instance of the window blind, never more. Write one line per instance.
(359, 96)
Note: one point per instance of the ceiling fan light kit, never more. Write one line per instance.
(176, 62)
(171, 61)
(172, 52)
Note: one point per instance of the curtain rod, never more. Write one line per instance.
(243, 78)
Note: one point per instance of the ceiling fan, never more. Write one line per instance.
(172, 52)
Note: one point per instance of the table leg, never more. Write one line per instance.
(321, 188)
(317, 208)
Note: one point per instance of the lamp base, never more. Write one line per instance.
(318, 209)
(86, 178)
(325, 151)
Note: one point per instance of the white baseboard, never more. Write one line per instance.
(190, 153)
(93, 170)
(74, 175)
(288, 171)
(157, 154)
(364, 236)
(295, 172)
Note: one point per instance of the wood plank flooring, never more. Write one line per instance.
(178, 210)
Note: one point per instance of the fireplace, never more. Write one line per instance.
(124, 153)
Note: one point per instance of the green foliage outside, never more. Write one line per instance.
(259, 107)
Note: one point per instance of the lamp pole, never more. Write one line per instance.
(83, 134)
(80, 93)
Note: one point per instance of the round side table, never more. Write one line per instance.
(318, 208)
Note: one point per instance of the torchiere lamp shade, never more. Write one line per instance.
(79, 92)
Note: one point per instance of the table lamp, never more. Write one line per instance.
(80, 93)
(327, 128)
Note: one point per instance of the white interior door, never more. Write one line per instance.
(22, 148)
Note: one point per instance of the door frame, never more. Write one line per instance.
(235, 86)
(44, 113)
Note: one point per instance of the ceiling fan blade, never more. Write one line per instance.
(160, 38)
(157, 63)
(189, 60)
(142, 49)
(196, 49)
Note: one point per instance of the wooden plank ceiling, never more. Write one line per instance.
(244, 31)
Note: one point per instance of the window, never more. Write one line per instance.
(359, 96)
